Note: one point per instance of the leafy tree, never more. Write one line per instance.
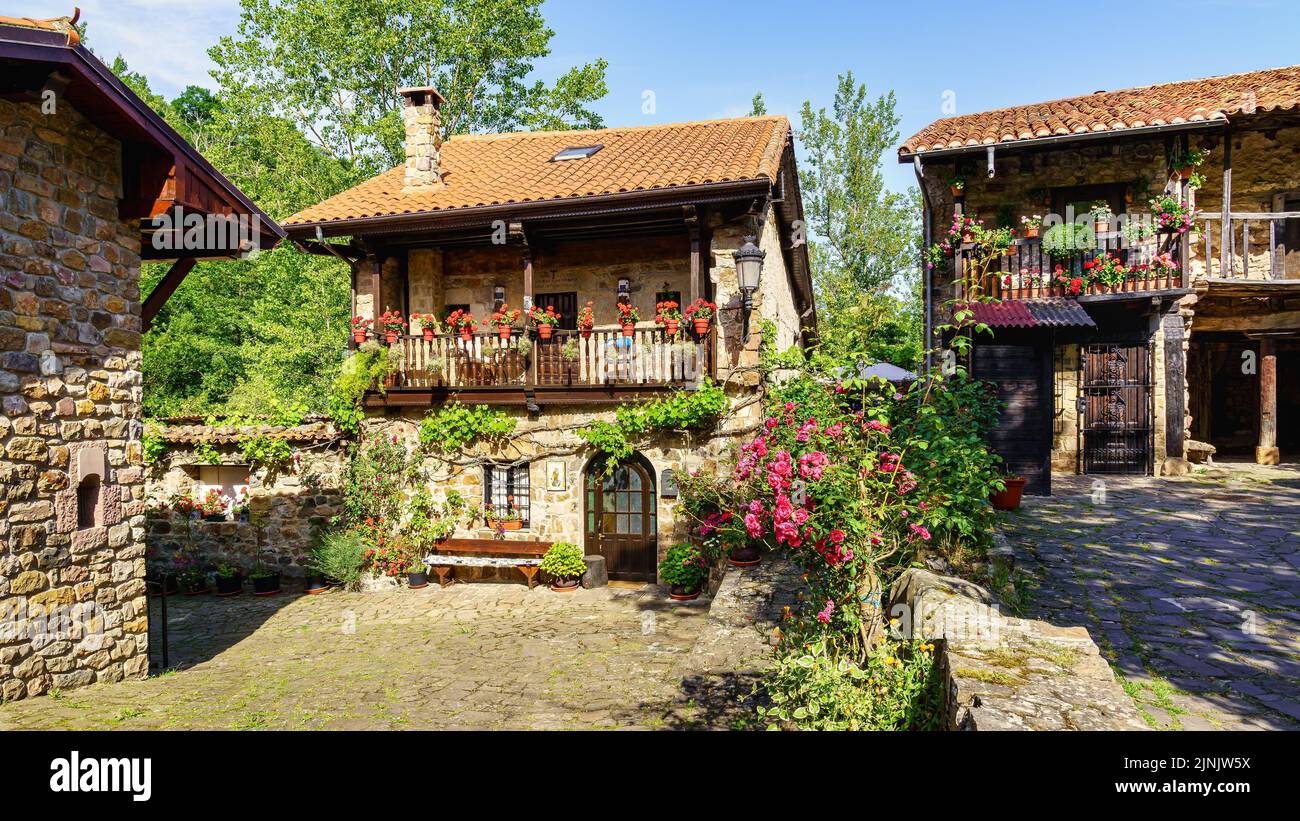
(333, 70)
(758, 106)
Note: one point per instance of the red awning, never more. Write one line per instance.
(1032, 313)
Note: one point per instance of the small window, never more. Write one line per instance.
(576, 152)
(504, 484)
(88, 501)
(230, 480)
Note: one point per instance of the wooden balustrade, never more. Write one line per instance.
(1255, 248)
(603, 357)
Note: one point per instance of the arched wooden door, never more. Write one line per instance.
(621, 522)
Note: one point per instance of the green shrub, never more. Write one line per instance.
(684, 565)
(340, 555)
(455, 426)
(376, 479)
(363, 371)
(564, 561)
(1066, 239)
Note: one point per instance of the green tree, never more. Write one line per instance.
(758, 106)
(333, 70)
(864, 239)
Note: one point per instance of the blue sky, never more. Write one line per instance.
(706, 58)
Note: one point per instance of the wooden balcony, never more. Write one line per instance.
(569, 368)
(1030, 273)
(1250, 246)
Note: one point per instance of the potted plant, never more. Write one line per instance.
(685, 570)
(507, 519)
(1101, 214)
(544, 320)
(586, 319)
(668, 314)
(417, 575)
(1172, 215)
(1186, 162)
(564, 564)
(230, 581)
(1106, 270)
(313, 581)
(957, 183)
(190, 573)
(700, 314)
(393, 325)
(628, 317)
(266, 582)
(428, 325)
(462, 322)
(239, 508)
(1009, 497)
(214, 505)
(360, 325)
(1064, 240)
(570, 351)
(504, 319)
(1032, 225)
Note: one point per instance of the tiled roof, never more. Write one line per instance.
(59, 24)
(1187, 101)
(501, 169)
(1032, 313)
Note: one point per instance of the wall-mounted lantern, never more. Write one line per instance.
(498, 297)
(749, 271)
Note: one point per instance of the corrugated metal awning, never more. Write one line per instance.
(1032, 313)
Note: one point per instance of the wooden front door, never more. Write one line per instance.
(621, 524)
(1116, 414)
(553, 368)
(1022, 376)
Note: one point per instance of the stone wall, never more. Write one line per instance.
(298, 498)
(71, 481)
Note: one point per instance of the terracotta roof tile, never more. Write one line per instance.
(1165, 104)
(63, 25)
(499, 169)
(1032, 313)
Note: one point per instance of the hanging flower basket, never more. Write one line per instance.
(629, 329)
(545, 331)
(700, 314)
(587, 319)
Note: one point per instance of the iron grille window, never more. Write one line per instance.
(504, 483)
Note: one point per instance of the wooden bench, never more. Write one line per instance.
(524, 556)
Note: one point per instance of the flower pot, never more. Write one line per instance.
(1185, 173)
(466, 335)
(1102, 227)
(214, 517)
(565, 585)
(515, 524)
(679, 592)
(957, 190)
(266, 585)
(229, 585)
(1009, 499)
(427, 333)
(197, 588)
(701, 326)
(315, 585)
(629, 328)
(358, 337)
(1031, 233)
(544, 331)
(670, 327)
(391, 337)
(503, 331)
(586, 333)
(418, 580)
(744, 556)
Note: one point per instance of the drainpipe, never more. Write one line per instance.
(925, 271)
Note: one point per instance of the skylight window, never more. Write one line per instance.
(576, 152)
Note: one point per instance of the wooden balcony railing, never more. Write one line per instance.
(1254, 246)
(1028, 272)
(602, 358)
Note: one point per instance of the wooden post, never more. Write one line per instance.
(1175, 386)
(376, 288)
(1225, 216)
(693, 231)
(1267, 453)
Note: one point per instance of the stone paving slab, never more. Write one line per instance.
(1189, 586)
(471, 656)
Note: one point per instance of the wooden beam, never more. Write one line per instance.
(1175, 386)
(693, 232)
(1267, 453)
(1273, 321)
(163, 291)
(1225, 224)
(376, 287)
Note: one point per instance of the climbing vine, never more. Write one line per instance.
(364, 370)
(454, 426)
(682, 411)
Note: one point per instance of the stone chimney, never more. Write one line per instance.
(423, 138)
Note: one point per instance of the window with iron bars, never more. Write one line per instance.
(501, 483)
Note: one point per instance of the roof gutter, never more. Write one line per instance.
(1218, 121)
(625, 201)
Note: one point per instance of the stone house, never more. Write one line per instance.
(85, 167)
(1175, 355)
(567, 219)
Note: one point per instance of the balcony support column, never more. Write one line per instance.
(1267, 453)
(1225, 216)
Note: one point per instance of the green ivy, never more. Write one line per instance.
(682, 411)
(455, 426)
(207, 453)
(363, 371)
(155, 447)
(265, 451)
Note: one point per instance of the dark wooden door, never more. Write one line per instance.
(1116, 415)
(553, 368)
(621, 522)
(1022, 437)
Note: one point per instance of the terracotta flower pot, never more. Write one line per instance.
(629, 328)
(514, 524)
(680, 592)
(466, 335)
(1031, 233)
(428, 334)
(957, 190)
(586, 333)
(1185, 173)
(544, 331)
(670, 327)
(503, 331)
(565, 585)
(1009, 499)
(315, 585)
(1103, 226)
(358, 337)
(701, 326)
(391, 337)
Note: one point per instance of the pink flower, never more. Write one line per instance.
(837, 536)
(753, 525)
(920, 531)
(825, 615)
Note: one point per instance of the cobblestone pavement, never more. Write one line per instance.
(1190, 586)
(471, 656)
